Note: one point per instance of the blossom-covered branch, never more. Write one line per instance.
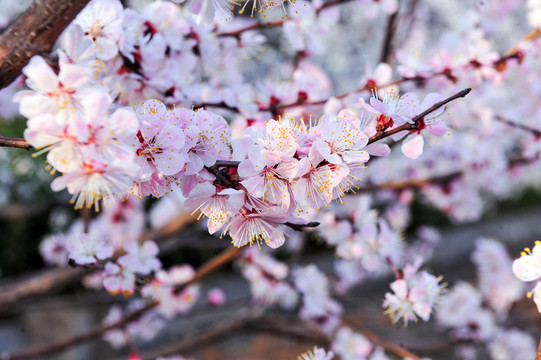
(417, 123)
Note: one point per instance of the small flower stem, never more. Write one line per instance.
(301, 227)
(413, 126)
(536, 132)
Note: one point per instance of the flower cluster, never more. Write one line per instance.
(414, 295)
(274, 174)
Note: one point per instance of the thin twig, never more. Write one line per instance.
(220, 331)
(301, 227)
(415, 120)
(535, 33)
(263, 25)
(259, 25)
(389, 35)
(536, 132)
(407, 184)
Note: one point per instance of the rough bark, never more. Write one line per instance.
(33, 33)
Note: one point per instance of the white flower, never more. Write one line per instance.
(101, 22)
(350, 345)
(141, 258)
(316, 354)
(528, 268)
(60, 95)
(414, 296)
(54, 250)
(86, 249)
(496, 281)
(512, 344)
(118, 280)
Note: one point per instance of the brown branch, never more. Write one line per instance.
(221, 105)
(223, 330)
(33, 33)
(529, 37)
(388, 40)
(330, 4)
(263, 25)
(301, 227)
(80, 338)
(413, 183)
(206, 269)
(277, 326)
(413, 126)
(290, 327)
(536, 132)
(225, 163)
(44, 282)
(16, 143)
(259, 25)
(538, 355)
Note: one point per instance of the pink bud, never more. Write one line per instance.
(216, 297)
(134, 356)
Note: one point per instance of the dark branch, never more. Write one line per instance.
(17, 143)
(301, 227)
(536, 132)
(413, 126)
(388, 41)
(33, 33)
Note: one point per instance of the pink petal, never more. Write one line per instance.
(247, 168)
(431, 99)
(367, 107)
(378, 149)
(40, 75)
(437, 128)
(73, 76)
(413, 146)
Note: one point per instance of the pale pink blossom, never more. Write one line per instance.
(528, 268)
(316, 354)
(350, 345)
(54, 250)
(101, 21)
(59, 95)
(141, 258)
(118, 280)
(413, 296)
(158, 143)
(217, 205)
(262, 226)
(87, 249)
